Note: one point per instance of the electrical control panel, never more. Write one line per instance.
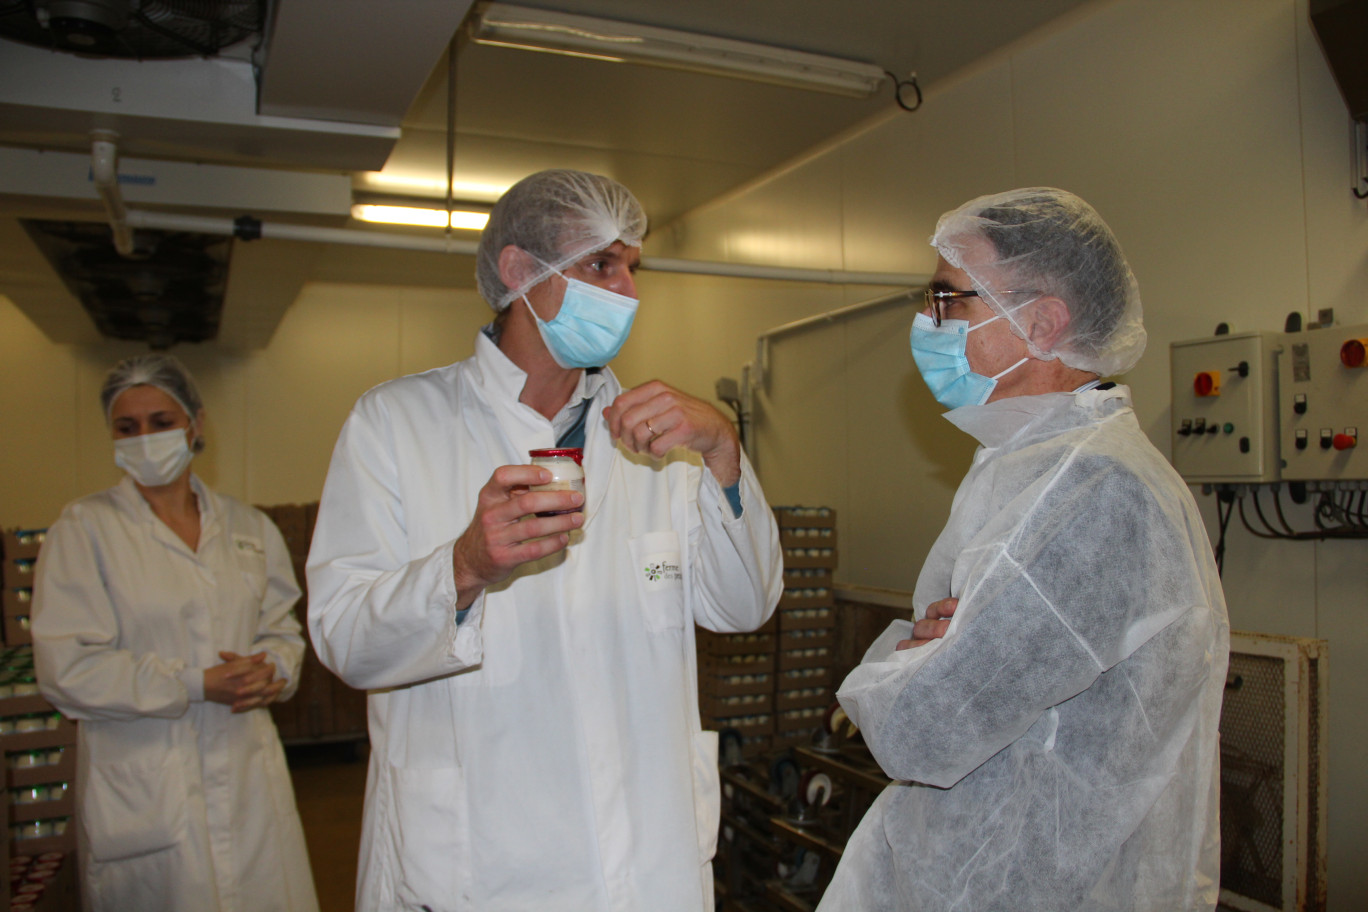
(1323, 404)
(1225, 402)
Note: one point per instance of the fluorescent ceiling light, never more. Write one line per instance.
(415, 215)
(415, 185)
(507, 25)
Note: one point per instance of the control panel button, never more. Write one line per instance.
(1207, 383)
(1353, 353)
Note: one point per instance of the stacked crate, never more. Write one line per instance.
(804, 676)
(20, 560)
(736, 685)
(39, 749)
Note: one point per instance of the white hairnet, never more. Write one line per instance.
(557, 216)
(165, 372)
(1022, 245)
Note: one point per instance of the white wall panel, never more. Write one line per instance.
(904, 466)
(1186, 139)
(902, 173)
(335, 343)
(791, 219)
(803, 423)
(38, 458)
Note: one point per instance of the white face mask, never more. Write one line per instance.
(153, 459)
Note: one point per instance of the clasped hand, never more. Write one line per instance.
(242, 682)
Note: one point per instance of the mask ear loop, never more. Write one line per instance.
(998, 376)
(993, 319)
(530, 309)
(1010, 369)
(554, 271)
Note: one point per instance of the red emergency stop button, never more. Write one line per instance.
(1207, 383)
(1354, 353)
(1344, 442)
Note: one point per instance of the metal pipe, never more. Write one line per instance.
(917, 281)
(251, 228)
(781, 273)
(104, 173)
(762, 340)
(233, 228)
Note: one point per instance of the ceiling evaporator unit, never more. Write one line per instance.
(507, 25)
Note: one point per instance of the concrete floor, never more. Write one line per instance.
(329, 783)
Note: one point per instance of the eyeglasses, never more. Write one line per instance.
(935, 301)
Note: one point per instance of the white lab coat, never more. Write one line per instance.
(546, 754)
(182, 804)
(1058, 747)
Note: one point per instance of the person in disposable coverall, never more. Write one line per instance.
(533, 710)
(1053, 725)
(162, 620)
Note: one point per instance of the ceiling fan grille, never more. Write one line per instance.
(134, 29)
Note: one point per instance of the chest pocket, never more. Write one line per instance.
(658, 565)
(249, 553)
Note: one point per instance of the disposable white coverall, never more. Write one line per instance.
(182, 804)
(1058, 747)
(546, 753)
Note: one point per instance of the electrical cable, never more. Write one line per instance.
(1353, 516)
(1222, 522)
(1258, 508)
(1277, 505)
(1325, 511)
(1252, 531)
(899, 85)
(1348, 512)
(1333, 520)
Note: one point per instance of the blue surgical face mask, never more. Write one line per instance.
(590, 328)
(941, 356)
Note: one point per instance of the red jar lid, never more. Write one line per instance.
(575, 453)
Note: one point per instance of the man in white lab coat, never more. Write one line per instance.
(1051, 717)
(533, 709)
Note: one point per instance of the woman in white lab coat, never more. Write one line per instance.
(163, 621)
